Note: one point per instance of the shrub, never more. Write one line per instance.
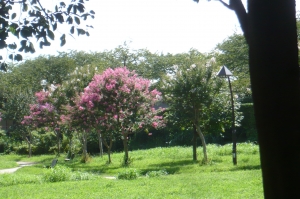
(151, 174)
(86, 159)
(57, 174)
(77, 176)
(128, 175)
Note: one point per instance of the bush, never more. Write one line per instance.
(57, 174)
(151, 174)
(77, 176)
(128, 175)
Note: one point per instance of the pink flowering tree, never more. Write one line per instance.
(44, 114)
(80, 120)
(123, 104)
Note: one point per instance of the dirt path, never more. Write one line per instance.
(21, 164)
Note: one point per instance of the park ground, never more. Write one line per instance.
(153, 173)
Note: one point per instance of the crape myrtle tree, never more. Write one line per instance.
(123, 103)
(31, 19)
(198, 99)
(66, 101)
(43, 114)
(80, 120)
(270, 30)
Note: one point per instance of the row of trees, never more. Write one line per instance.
(195, 97)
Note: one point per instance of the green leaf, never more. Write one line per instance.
(77, 20)
(54, 26)
(80, 31)
(50, 34)
(37, 8)
(63, 40)
(87, 34)
(92, 12)
(59, 17)
(12, 46)
(31, 48)
(13, 15)
(72, 30)
(80, 7)
(25, 7)
(18, 57)
(70, 20)
(69, 8)
(62, 4)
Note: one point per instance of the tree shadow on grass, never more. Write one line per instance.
(246, 167)
(171, 167)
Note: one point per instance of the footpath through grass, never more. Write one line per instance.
(162, 173)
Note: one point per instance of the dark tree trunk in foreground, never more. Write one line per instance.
(270, 30)
(274, 72)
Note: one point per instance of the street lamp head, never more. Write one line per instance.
(44, 84)
(224, 72)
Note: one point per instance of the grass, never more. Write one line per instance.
(161, 173)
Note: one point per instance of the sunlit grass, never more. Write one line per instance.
(185, 178)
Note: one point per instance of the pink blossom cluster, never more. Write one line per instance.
(42, 113)
(121, 98)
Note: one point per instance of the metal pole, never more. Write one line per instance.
(234, 155)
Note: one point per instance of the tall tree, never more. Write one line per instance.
(270, 31)
(194, 98)
(123, 103)
(15, 107)
(233, 53)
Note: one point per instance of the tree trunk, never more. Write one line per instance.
(29, 144)
(108, 148)
(274, 71)
(84, 150)
(125, 144)
(100, 144)
(195, 143)
(203, 143)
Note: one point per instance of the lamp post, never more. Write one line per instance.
(44, 84)
(225, 73)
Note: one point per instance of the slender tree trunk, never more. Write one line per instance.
(84, 139)
(70, 147)
(203, 142)
(100, 144)
(274, 72)
(125, 144)
(29, 146)
(108, 148)
(195, 143)
(58, 142)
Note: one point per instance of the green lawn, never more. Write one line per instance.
(185, 178)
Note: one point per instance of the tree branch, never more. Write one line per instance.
(241, 14)
(43, 9)
(226, 5)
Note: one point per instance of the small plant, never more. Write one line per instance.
(151, 174)
(77, 176)
(127, 163)
(128, 175)
(86, 159)
(57, 174)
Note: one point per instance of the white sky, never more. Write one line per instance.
(172, 26)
